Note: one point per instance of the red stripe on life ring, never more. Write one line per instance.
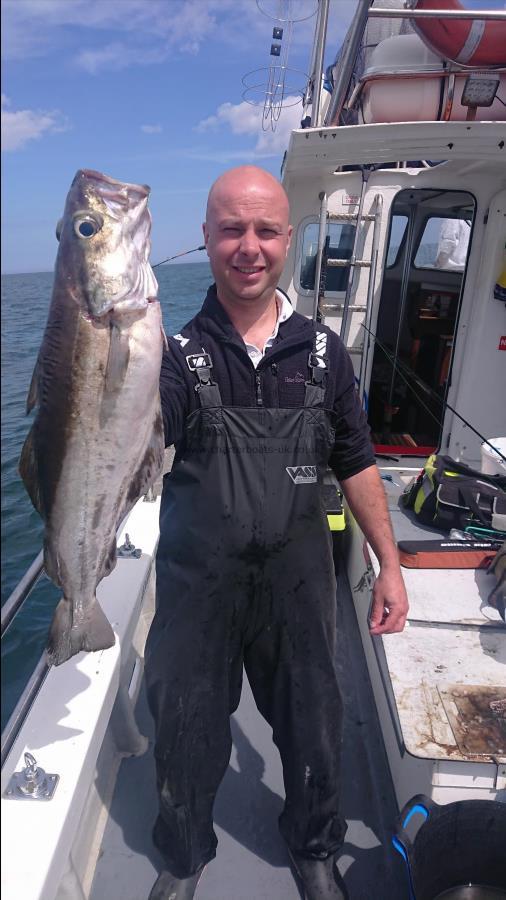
(471, 42)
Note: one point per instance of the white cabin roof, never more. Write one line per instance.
(325, 149)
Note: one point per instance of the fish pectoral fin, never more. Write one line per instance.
(117, 359)
(92, 632)
(29, 472)
(33, 391)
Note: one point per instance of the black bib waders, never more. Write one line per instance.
(245, 576)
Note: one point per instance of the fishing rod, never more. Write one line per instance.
(177, 255)
(428, 390)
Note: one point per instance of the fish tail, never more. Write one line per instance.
(93, 632)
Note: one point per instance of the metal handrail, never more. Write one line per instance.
(15, 601)
(9, 610)
(377, 12)
(354, 261)
(405, 75)
(316, 74)
(18, 716)
(322, 233)
(378, 215)
(347, 61)
(345, 263)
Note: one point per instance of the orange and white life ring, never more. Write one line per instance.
(470, 42)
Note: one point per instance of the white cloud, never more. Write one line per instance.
(115, 56)
(114, 34)
(243, 118)
(151, 129)
(23, 125)
(147, 31)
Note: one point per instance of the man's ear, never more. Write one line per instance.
(205, 232)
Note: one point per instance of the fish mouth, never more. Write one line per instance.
(119, 197)
(120, 186)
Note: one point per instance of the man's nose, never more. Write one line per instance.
(249, 244)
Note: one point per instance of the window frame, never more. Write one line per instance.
(309, 292)
(401, 243)
(422, 232)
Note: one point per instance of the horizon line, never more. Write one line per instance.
(197, 262)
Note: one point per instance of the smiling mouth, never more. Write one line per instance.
(249, 270)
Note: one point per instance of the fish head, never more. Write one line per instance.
(105, 243)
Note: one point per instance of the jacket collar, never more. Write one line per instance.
(214, 320)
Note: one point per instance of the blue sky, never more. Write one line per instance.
(146, 91)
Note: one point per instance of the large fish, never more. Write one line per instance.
(97, 441)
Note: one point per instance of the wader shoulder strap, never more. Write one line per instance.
(201, 364)
(315, 386)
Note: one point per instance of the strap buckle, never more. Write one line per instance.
(196, 361)
(317, 367)
(201, 364)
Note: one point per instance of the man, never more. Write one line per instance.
(244, 565)
(453, 242)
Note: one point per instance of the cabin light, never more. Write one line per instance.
(480, 90)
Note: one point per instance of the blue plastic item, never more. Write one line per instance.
(456, 845)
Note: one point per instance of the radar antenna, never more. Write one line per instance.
(276, 86)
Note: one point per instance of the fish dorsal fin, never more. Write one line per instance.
(29, 472)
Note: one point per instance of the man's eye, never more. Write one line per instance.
(269, 232)
(230, 229)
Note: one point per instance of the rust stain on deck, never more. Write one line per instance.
(477, 716)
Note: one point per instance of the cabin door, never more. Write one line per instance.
(428, 246)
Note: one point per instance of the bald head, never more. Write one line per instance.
(244, 181)
(247, 236)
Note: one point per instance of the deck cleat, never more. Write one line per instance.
(32, 782)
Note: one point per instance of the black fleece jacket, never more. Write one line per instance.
(278, 381)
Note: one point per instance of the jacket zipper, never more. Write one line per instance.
(258, 383)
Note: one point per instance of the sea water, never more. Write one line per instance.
(25, 304)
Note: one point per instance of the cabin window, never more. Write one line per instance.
(339, 245)
(397, 232)
(429, 242)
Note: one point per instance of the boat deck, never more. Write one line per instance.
(252, 861)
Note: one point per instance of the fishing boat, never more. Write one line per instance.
(397, 184)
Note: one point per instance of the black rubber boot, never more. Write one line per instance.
(320, 878)
(168, 887)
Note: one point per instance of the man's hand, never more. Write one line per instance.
(389, 603)
(366, 497)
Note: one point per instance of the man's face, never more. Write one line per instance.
(247, 237)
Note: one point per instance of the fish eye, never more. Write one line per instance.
(86, 226)
(59, 226)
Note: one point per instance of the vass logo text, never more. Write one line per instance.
(302, 474)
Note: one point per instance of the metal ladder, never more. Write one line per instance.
(361, 220)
